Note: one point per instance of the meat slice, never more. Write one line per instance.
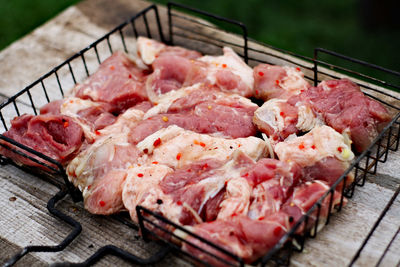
(148, 50)
(241, 236)
(345, 108)
(323, 153)
(56, 136)
(279, 119)
(187, 195)
(271, 81)
(303, 199)
(227, 73)
(118, 82)
(91, 116)
(176, 147)
(100, 170)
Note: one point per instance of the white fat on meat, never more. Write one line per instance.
(319, 143)
(71, 106)
(179, 147)
(142, 188)
(164, 101)
(237, 200)
(232, 62)
(268, 115)
(124, 123)
(294, 82)
(148, 49)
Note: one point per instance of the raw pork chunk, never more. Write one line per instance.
(56, 136)
(118, 81)
(228, 73)
(346, 109)
(91, 116)
(272, 81)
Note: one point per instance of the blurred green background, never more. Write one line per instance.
(365, 29)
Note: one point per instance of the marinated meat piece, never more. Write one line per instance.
(279, 119)
(187, 195)
(323, 153)
(241, 236)
(56, 136)
(118, 81)
(227, 73)
(148, 50)
(176, 147)
(100, 170)
(272, 81)
(207, 118)
(273, 182)
(304, 197)
(345, 108)
(91, 116)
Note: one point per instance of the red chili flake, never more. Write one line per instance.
(235, 214)
(340, 149)
(89, 186)
(196, 142)
(61, 157)
(112, 67)
(275, 137)
(239, 145)
(140, 174)
(313, 147)
(246, 174)
(301, 146)
(155, 162)
(71, 101)
(130, 76)
(178, 156)
(157, 142)
(205, 166)
(66, 124)
(102, 203)
(261, 218)
(179, 203)
(189, 170)
(277, 231)
(298, 69)
(224, 65)
(202, 144)
(282, 113)
(145, 150)
(97, 132)
(257, 92)
(277, 82)
(261, 73)
(301, 91)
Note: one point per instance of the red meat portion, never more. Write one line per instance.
(55, 136)
(246, 238)
(345, 108)
(221, 120)
(118, 81)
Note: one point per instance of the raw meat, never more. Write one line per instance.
(56, 136)
(227, 73)
(272, 81)
(91, 116)
(345, 108)
(244, 237)
(148, 50)
(118, 82)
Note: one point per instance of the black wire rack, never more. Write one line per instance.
(198, 33)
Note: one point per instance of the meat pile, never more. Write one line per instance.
(176, 132)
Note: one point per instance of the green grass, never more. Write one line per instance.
(297, 26)
(19, 17)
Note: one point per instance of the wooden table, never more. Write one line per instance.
(24, 219)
